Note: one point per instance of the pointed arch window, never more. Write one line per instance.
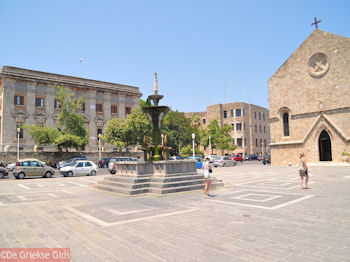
(286, 124)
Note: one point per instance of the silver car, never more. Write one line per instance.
(224, 161)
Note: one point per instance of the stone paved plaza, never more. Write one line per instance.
(260, 215)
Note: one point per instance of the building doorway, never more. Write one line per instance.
(325, 147)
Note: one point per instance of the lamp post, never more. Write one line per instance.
(193, 137)
(99, 146)
(18, 131)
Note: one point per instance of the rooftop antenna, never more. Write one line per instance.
(81, 60)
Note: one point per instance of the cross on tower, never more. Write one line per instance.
(316, 22)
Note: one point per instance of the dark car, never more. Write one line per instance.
(237, 157)
(112, 166)
(253, 157)
(68, 161)
(3, 172)
(103, 162)
(266, 159)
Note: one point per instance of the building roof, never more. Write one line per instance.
(16, 72)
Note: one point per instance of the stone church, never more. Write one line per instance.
(309, 98)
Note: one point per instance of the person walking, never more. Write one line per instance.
(206, 168)
(303, 171)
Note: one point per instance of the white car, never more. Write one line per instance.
(80, 167)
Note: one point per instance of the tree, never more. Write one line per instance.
(220, 137)
(195, 120)
(43, 135)
(131, 131)
(179, 130)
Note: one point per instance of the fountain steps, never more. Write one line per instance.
(155, 185)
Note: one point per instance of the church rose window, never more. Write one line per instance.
(285, 124)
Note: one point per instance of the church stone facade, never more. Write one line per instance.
(309, 99)
(29, 97)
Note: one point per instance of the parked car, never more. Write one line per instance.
(266, 159)
(103, 162)
(224, 161)
(200, 161)
(79, 167)
(252, 157)
(112, 166)
(32, 167)
(3, 172)
(176, 158)
(237, 157)
(10, 166)
(68, 161)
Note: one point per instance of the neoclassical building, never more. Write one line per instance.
(29, 97)
(249, 123)
(309, 99)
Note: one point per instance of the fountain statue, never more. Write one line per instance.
(155, 114)
(156, 174)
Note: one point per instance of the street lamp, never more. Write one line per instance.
(99, 146)
(193, 137)
(18, 131)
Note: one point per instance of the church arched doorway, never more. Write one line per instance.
(325, 147)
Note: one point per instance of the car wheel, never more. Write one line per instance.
(70, 173)
(21, 175)
(105, 166)
(48, 174)
(93, 173)
(1, 175)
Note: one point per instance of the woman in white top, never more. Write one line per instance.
(303, 171)
(206, 168)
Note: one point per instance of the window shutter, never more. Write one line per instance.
(15, 101)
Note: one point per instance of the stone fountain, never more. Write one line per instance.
(156, 174)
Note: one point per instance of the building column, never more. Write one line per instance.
(8, 122)
(90, 108)
(50, 105)
(107, 106)
(121, 106)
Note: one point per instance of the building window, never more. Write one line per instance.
(83, 107)
(255, 114)
(19, 100)
(256, 128)
(204, 121)
(127, 110)
(264, 130)
(20, 132)
(225, 114)
(239, 126)
(114, 109)
(232, 126)
(285, 124)
(238, 112)
(260, 128)
(256, 142)
(264, 117)
(259, 115)
(39, 102)
(231, 112)
(57, 104)
(99, 108)
(239, 142)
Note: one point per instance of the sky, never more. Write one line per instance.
(197, 47)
